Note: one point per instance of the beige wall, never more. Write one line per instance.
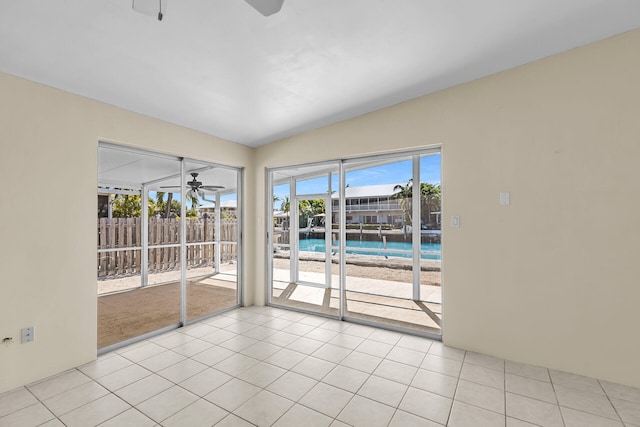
(550, 280)
(48, 171)
(553, 278)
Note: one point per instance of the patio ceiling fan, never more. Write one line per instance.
(158, 7)
(195, 187)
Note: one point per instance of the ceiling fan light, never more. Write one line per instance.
(155, 8)
(266, 7)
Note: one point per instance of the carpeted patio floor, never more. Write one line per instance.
(130, 313)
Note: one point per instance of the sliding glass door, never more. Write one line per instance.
(303, 239)
(168, 242)
(361, 240)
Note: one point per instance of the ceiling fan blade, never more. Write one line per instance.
(212, 187)
(266, 7)
(176, 187)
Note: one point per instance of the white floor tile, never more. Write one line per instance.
(123, 377)
(374, 348)
(201, 413)
(95, 412)
(205, 382)
(238, 343)
(218, 337)
(49, 387)
(173, 339)
(530, 371)
(346, 341)
(285, 358)
(620, 391)
(281, 338)
(213, 355)
(441, 350)
(292, 386)
(144, 389)
(32, 415)
(233, 421)
(198, 330)
(162, 360)
(415, 343)
(261, 350)
(426, 405)
(260, 332)
(481, 396)
(261, 374)
(398, 380)
(320, 334)
(383, 390)
(264, 408)
(300, 415)
(442, 365)
(331, 353)
(326, 399)
(192, 348)
(14, 400)
(629, 411)
(533, 411)
(101, 367)
(387, 337)
(142, 352)
(165, 404)
(314, 368)
(535, 389)
(305, 345)
(596, 404)
(406, 356)
(129, 418)
(395, 371)
(481, 375)
(232, 394)
(74, 398)
(484, 361)
(361, 361)
(182, 370)
(236, 364)
(573, 418)
(346, 378)
(435, 382)
(463, 415)
(576, 381)
(364, 412)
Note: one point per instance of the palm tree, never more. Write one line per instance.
(404, 193)
(430, 197)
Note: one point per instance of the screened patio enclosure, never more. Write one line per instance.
(168, 242)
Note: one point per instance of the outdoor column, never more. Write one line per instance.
(144, 237)
(217, 239)
(183, 245)
(293, 233)
(342, 217)
(416, 227)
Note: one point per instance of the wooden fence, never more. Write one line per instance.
(126, 233)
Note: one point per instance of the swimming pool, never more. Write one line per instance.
(317, 245)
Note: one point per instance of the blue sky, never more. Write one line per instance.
(393, 173)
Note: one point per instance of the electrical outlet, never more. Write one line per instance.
(27, 334)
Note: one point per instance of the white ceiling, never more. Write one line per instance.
(220, 67)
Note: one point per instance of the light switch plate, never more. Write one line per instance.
(505, 198)
(455, 221)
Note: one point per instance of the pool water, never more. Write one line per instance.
(317, 245)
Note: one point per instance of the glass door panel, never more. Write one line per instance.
(212, 240)
(303, 274)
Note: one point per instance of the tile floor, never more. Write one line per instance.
(265, 366)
